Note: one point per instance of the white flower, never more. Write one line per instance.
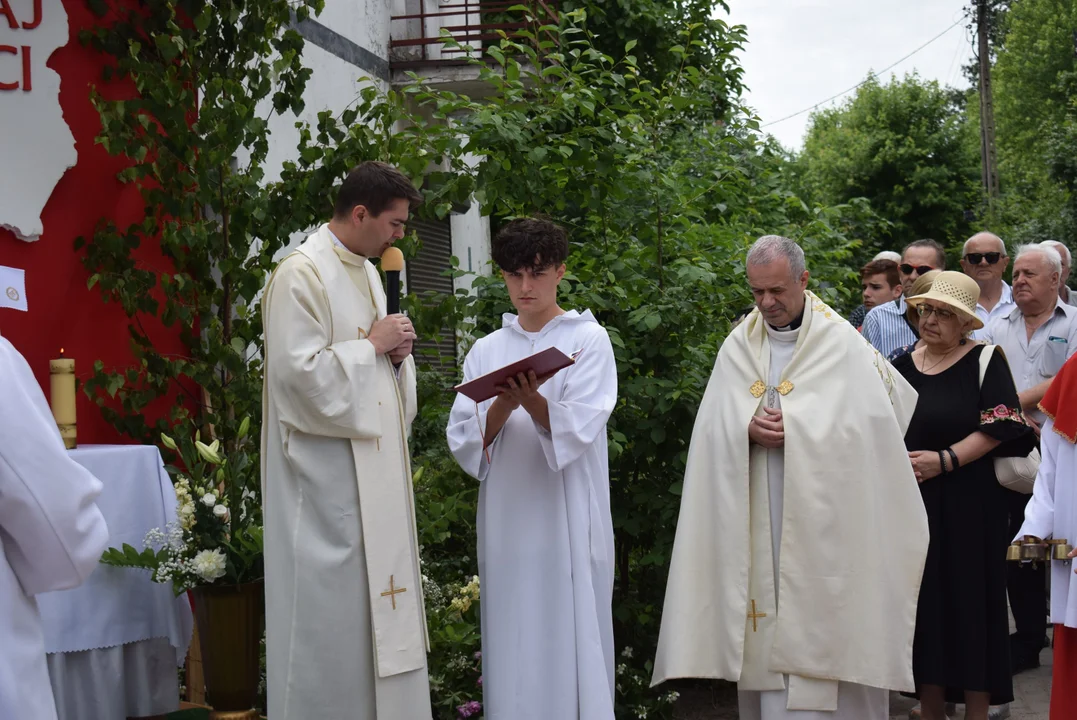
(627, 652)
(185, 515)
(209, 452)
(209, 499)
(221, 511)
(209, 564)
(176, 538)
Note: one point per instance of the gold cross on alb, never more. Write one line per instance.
(755, 615)
(392, 592)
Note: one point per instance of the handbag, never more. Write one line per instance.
(1013, 473)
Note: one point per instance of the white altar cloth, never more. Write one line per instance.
(118, 606)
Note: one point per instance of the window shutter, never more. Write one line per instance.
(425, 279)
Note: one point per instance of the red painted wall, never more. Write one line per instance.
(62, 312)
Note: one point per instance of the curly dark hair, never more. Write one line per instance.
(374, 185)
(530, 243)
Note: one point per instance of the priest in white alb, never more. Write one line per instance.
(345, 627)
(802, 537)
(545, 532)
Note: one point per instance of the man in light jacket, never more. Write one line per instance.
(51, 534)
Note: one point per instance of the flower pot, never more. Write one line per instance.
(230, 622)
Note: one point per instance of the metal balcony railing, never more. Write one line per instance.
(417, 39)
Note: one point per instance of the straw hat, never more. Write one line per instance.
(923, 283)
(957, 290)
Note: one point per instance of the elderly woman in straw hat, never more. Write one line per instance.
(919, 286)
(961, 649)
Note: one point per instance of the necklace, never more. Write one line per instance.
(924, 368)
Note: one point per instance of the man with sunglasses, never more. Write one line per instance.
(984, 259)
(886, 327)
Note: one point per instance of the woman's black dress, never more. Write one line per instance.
(962, 625)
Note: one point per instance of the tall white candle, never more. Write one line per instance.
(62, 397)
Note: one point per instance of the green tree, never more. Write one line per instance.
(904, 146)
(1032, 97)
(661, 209)
(655, 26)
(199, 80)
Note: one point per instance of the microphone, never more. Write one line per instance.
(392, 262)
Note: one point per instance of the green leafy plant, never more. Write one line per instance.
(186, 101)
(654, 167)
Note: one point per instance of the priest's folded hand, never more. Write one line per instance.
(767, 430)
(400, 353)
(390, 333)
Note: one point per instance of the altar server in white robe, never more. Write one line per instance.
(51, 533)
(1052, 514)
(802, 536)
(545, 532)
(345, 627)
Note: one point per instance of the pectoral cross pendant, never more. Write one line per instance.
(754, 616)
(393, 591)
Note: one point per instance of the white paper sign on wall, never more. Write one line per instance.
(13, 288)
(36, 145)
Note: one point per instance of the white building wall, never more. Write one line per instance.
(471, 245)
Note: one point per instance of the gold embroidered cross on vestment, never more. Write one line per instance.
(754, 615)
(392, 592)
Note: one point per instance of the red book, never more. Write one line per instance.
(545, 364)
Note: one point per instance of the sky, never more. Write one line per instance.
(801, 52)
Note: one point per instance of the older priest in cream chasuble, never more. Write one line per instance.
(346, 632)
(796, 570)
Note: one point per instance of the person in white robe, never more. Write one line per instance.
(1051, 514)
(345, 625)
(802, 537)
(545, 532)
(52, 533)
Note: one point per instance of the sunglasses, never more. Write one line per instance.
(940, 314)
(991, 258)
(920, 269)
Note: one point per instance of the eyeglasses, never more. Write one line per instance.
(940, 314)
(920, 269)
(991, 258)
